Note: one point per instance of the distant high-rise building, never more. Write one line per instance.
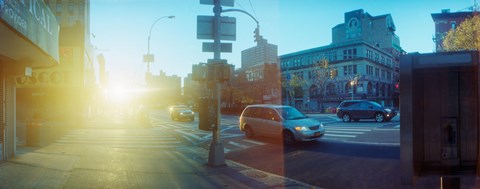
(444, 22)
(263, 53)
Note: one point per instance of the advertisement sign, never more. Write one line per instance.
(35, 21)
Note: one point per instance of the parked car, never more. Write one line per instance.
(284, 122)
(180, 112)
(355, 110)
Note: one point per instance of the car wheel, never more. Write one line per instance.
(248, 132)
(346, 117)
(288, 138)
(379, 117)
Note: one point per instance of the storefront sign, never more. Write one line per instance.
(51, 78)
(34, 20)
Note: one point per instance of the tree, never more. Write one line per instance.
(322, 75)
(293, 87)
(465, 37)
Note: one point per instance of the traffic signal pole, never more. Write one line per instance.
(216, 156)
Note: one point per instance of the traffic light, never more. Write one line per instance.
(257, 35)
(207, 114)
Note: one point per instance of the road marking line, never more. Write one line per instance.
(334, 135)
(226, 150)
(191, 135)
(254, 142)
(360, 130)
(238, 144)
(343, 132)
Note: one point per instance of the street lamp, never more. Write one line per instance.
(148, 58)
(352, 84)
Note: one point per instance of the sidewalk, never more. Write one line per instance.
(68, 166)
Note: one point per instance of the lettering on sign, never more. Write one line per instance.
(55, 78)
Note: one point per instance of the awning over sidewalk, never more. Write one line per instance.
(29, 33)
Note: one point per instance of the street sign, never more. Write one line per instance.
(227, 28)
(148, 58)
(209, 47)
(228, 3)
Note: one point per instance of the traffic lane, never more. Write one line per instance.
(326, 164)
(364, 123)
(364, 150)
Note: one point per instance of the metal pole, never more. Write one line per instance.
(149, 34)
(216, 156)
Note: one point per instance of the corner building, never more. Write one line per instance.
(29, 40)
(364, 48)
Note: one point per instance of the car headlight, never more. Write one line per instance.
(321, 125)
(301, 128)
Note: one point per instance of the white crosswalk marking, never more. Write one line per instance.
(118, 139)
(345, 132)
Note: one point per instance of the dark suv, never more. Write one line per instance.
(362, 109)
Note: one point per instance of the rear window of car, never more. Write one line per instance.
(252, 112)
(348, 104)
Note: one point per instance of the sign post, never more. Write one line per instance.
(216, 28)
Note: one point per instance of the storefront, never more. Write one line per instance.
(29, 34)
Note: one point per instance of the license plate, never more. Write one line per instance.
(317, 134)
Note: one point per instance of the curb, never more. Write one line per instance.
(269, 179)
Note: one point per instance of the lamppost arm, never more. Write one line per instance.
(242, 11)
(151, 27)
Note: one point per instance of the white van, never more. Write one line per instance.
(279, 121)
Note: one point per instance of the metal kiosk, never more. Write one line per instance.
(439, 114)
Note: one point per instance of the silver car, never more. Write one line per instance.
(279, 121)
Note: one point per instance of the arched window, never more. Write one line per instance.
(298, 92)
(331, 89)
(369, 88)
(313, 91)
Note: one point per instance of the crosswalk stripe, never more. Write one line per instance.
(335, 135)
(238, 144)
(114, 142)
(346, 129)
(344, 132)
(254, 142)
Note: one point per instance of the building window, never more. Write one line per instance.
(377, 72)
(71, 7)
(350, 69)
(454, 25)
(377, 57)
(383, 74)
(369, 54)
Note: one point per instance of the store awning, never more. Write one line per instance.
(29, 33)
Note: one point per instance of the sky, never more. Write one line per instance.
(121, 29)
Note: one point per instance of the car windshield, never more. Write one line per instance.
(180, 108)
(289, 113)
